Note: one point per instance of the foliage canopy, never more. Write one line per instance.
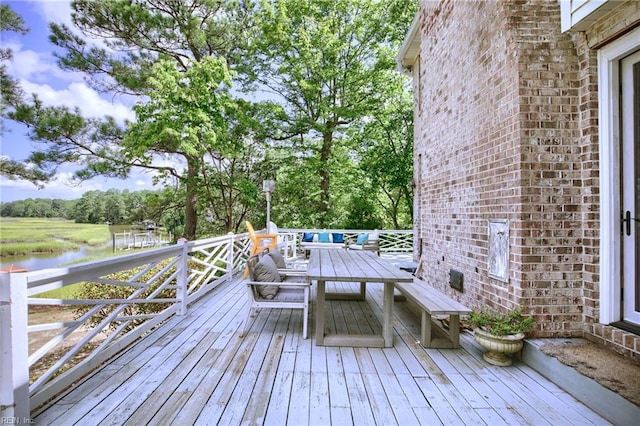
(229, 93)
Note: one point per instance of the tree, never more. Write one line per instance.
(327, 61)
(114, 209)
(90, 208)
(386, 150)
(137, 35)
(237, 173)
(183, 116)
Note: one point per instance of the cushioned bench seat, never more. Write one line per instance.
(320, 240)
(433, 302)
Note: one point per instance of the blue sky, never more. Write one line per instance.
(35, 66)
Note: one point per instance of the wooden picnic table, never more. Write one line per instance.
(354, 266)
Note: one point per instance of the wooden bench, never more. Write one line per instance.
(433, 302)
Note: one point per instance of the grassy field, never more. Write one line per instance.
(22, 236)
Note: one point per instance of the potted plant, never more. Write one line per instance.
(499, 333)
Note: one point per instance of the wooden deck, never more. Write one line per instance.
(196, 369)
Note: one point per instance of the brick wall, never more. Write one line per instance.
(469, 114)
(506, 128)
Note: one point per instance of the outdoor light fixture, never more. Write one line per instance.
(268, 187)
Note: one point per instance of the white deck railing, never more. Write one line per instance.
(160, 283)
(390, 240)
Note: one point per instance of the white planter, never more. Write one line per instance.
(498, 346)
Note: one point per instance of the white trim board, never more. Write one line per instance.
(609, 149)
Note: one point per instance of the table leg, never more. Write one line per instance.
(387, 315)
(320, 314)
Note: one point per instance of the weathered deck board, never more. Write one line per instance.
(196, 369)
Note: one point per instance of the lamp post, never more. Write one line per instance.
(267, 187)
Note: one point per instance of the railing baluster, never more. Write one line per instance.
(181, 291)
(230, 255)
(14, 368)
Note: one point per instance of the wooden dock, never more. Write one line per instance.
(195, 369)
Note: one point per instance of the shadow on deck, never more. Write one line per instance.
(195, 369)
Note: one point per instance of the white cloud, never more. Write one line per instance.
(81, 96)
(58, 11)
(37, 66)
(39, 73)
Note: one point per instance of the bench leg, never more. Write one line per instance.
(454, 330)
(425, 329)
(452, 340)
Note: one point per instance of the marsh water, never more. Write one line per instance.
(123, 237)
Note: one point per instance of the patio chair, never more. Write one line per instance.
(260, 241)
(367, 242)
(269, 287)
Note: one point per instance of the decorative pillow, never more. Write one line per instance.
(323, 237)
(307, 237)
(362, 238)
(267, 271)
(278, 259)
(373, 237)
(338, 238)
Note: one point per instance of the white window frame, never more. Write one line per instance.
(609, 148)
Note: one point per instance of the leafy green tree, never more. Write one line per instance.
(114, 209)
(386, 150)
(134, 206)
(13, 209)
(90, 208)
(327, 63)
(183, 116)
(362, 212)
(136, 35)
(39, 207)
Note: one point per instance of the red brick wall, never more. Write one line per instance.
(506, 127)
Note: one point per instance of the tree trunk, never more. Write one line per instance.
(191, 205)
(325, 154)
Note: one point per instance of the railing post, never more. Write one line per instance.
(14, 354)
(230, 256)
(182, 290)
